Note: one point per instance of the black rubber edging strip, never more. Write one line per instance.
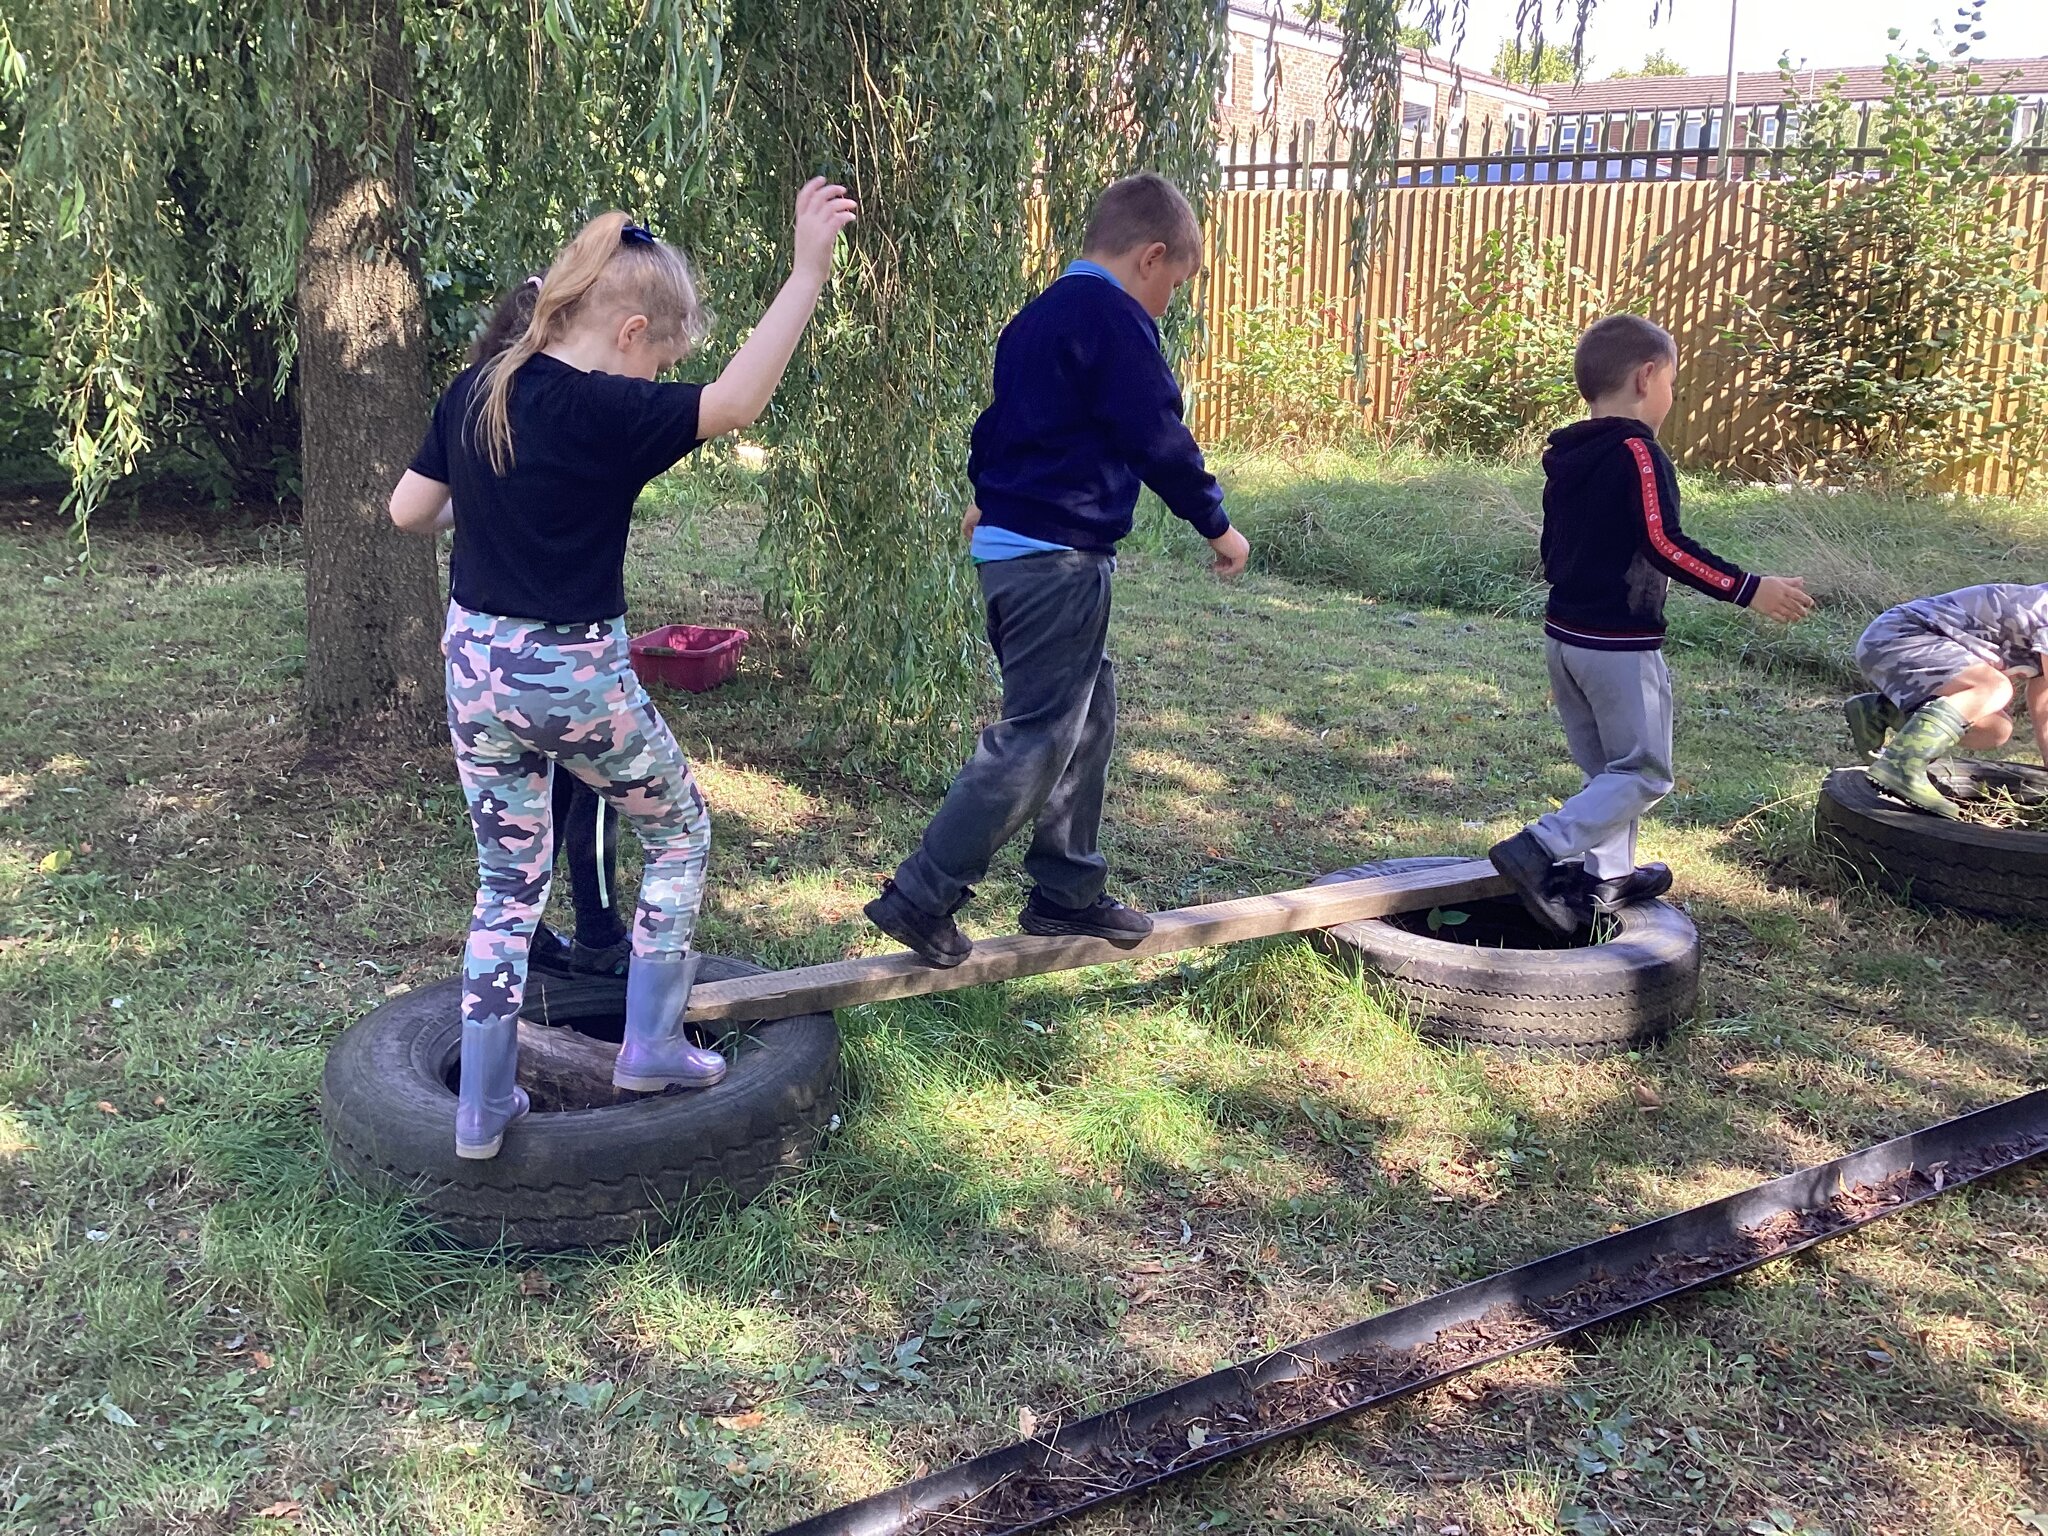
(943, 1501)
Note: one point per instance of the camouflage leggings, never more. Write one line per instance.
(524, 699)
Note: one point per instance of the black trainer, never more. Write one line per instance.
(1107, 919)
(1537, 879)
(937, 940)
(607, 960)
(549, 953)
(1646, 882)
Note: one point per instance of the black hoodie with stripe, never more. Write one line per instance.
(1611, 540)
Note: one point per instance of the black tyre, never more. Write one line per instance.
(579, 1178)
(1979, 870)
(1498, 980)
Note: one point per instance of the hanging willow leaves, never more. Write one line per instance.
(936, 113)
(531, 113)
(945, 116)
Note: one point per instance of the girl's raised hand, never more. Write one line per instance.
(822, 210)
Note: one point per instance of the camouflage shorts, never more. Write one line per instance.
(525, 700)
(1909, 663)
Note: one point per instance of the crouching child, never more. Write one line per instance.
(1943, 670)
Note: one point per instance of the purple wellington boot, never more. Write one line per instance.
(657, 1053)
(489, 1100)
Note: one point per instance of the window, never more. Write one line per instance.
(1518, 131)
(1418, 109)
(1568, 137)
(1771, 131)
(1667, 131)
(1689, 130)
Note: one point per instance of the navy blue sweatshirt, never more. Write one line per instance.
(1611, 540)
(1084, 409)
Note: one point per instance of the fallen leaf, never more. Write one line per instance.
(751, 1420)
(534, 1282)
(1646, 1097)
(1027, 1423)
(260, 1358)
(283, 1509)
(106, 1108)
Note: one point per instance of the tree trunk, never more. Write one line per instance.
(561, 1069)
(373, 668)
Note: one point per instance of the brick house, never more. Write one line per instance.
(1278, 80)
(1677, 113)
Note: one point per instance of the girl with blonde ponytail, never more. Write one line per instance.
(535, 456)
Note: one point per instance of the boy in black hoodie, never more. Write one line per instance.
(1611, 544)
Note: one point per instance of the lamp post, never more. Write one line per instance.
(1728, 106)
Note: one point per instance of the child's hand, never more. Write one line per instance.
(822, 210)
(1232, 550)
(971, 521)
(1782, 598)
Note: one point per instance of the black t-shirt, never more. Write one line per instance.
(547, 540)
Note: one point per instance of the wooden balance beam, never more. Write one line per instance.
(878, 978)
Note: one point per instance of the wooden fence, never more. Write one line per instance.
(1690, 254)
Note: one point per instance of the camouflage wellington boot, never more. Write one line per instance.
(1900, 770)
(1872, 717)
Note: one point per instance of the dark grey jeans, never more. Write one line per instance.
(1047, 756)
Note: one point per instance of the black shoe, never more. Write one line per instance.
(1646, 882)
(549, 953)
(1107, 919)
(606, 960)
(1538, 880)
(937, 940)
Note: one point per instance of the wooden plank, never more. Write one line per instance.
(879, 978)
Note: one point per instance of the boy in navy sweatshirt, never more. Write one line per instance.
(1611, 547)
(1084, 410)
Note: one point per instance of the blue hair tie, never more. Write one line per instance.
(637, 234)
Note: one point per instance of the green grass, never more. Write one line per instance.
(1406, 528)
(1072, 1189)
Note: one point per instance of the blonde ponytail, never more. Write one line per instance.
(596, 273)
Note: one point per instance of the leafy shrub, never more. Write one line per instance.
(1489, 368)
(1290, 380)
(1894, 284)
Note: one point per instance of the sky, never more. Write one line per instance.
(1823, 33)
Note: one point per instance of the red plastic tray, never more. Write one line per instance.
(694, 657)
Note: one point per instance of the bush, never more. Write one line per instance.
(1290, 382)
(1894, 286)
(1489, 370)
